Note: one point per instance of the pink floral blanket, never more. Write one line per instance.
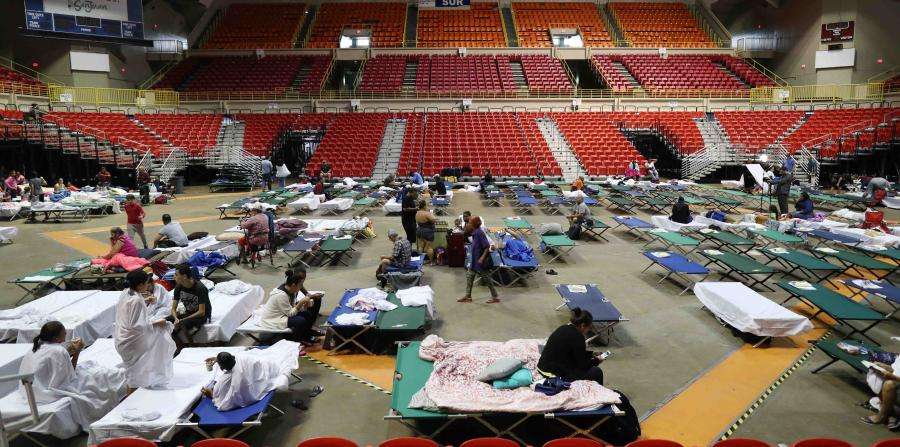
(453, 385)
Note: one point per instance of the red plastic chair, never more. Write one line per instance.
(887, 443)
(409, 442)
(126, 442)
(654, 443)
(327, 442)
(741, 442)
(573, 442)
(220, 442)
(490, 442)
(821, 442)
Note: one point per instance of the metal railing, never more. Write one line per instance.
(158, 76)
(9, 430)
(15, 66)
(23, 89)
(167, 47)
(112, 96)
(817, 93)
(765, 70)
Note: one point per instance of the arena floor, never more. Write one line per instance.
(688, 376)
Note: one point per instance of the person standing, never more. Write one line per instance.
(790, 163)
(266, 174)
(36, 186)
(425, 222)
(408, 214)
(145, 345)
(480, 261)
(281, 173)
(12, 188)
(135, 213)
(782, 185)
(103, 179)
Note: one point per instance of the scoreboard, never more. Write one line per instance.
(123, 19)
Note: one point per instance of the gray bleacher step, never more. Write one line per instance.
(388, 158)
(562, 152)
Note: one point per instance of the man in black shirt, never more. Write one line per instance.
(681, 212)
(191, 308)
(408, 214)
(439, 188)
(566, 356)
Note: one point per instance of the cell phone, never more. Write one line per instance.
(605, 355)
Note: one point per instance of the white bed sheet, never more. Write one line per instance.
(10, 358)
(748, 311)
(53, 206)
(178, 255)
(10, 209)
(35, 312)
(392, 206)
(325, 226)
(8, 233)
(891, 202)
(339, 204)
(870, 236)
(228, 312)
(90, 319)
(309, 202)
(56, 418)
(173, 403)
(666, 224)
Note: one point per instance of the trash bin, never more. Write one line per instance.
(178, 184)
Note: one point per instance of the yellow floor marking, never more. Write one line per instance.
(92, 247)
(709, 405)
(376, 369)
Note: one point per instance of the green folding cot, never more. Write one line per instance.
(557, 245)
(771, 237)
(855, 261)
(831, 349)
(51, 276)
(727, 240)
(333, 248)
(840, 308)
(669, 239)
(794, 261)
(744, 267)
(519, 224)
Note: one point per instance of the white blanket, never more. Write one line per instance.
(392, 206)
(10, 358)
(327, 227)
(309, 202)
(748, 311)
(179, 255)
(666, 224)
(171, 405)
(228, 311)
(256, 372)
(56, 418)
(88, 314)
(339, 204)
(10, 209)
(418, 296)
(8, 233)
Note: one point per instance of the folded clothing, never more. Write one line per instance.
(353, 319)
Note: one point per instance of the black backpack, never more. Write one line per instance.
(620, 430)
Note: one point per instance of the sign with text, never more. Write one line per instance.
(837, 32)
(425, 4)
(101, 18)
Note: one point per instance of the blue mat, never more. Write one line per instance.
(209, 416)
(592, 301)
(834, 237)
(300, 243)
(415, 264)
(527, 201)
(633, 222)
(678, 263)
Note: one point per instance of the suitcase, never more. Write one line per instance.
(456, 250)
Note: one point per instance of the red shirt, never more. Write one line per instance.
(135, 212)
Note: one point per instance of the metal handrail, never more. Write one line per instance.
(159, 75)
(28, 71)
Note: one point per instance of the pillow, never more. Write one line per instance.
(549, 229)
(501, 368)
(520, 378)
(229, 236)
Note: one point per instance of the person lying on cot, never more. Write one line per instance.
(566, 356)
(244, 378)
(94, 389)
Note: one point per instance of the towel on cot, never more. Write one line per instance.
(453, 385)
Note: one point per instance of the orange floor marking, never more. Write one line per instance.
(376, 369)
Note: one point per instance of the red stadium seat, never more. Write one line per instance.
(220, 442)
(126, 442)
(478, 26)
(573, 442)
(741, 442)
(533, 21)
(656, 25)
(240, 29)
(409, 442)
(385, 20)
(490, 442)
(327, 442)
(887, 443)
(654, 443)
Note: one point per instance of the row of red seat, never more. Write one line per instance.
(350, 144)
(659, 25)
(844, 130)
(534, 20)
(478, 26)
(385, 21)
(240, 28)
(504, 442)
(678, 72)
(469, 74)
(246, 73)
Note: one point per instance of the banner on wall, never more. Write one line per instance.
(426, 4)
(837, 31)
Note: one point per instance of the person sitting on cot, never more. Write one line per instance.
(566, 356)
(681, 212)
(804, 207)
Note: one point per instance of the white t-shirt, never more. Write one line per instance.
(174, 233)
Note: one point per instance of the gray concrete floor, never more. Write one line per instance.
(668, 341)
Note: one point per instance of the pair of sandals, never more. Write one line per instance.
(893, 424)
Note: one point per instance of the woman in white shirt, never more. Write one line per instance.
(284, 310)
(145, 344)
(94, 389)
